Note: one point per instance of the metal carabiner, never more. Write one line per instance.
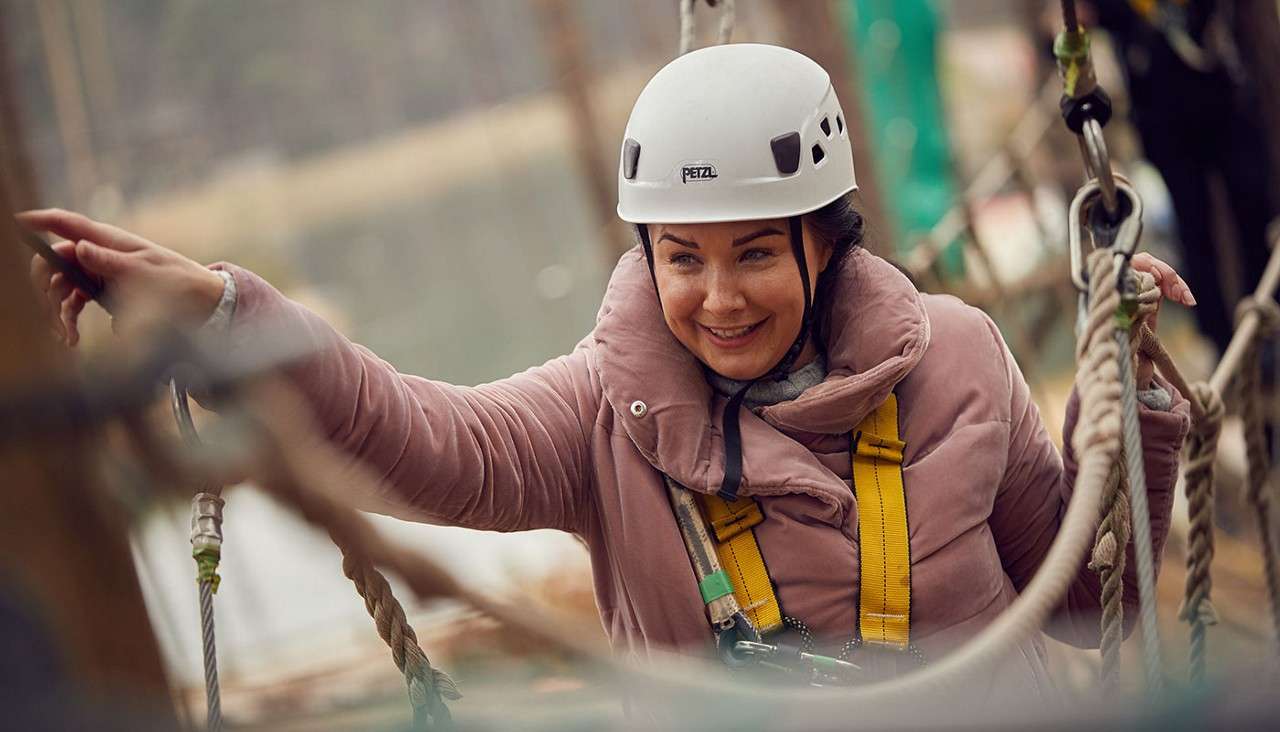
(1120, 234)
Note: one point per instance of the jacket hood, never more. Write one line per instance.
(878, 332)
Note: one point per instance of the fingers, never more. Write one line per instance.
(1171, 284)
(74, 226)
(100, 260)
(70, 316)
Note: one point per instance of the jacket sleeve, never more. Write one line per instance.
(1037, 484)
(505, 456)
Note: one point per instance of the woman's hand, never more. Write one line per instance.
(1172, 287)
(136, 272)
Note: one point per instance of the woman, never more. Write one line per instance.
(738, 350)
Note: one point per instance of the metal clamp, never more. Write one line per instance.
(1120, 234)
(820, 670)
(206, 523)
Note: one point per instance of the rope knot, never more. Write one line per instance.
(1199, 611)
(1104, 553)
(1266, 308)
(1211, 407)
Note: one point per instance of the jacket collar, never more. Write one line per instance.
(878, 332)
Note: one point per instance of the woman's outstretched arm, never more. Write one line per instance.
(504, 456)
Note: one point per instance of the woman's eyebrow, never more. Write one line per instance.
(678, 240)
(770, 231)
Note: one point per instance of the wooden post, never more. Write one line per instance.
(816, 29)
(63, 540)
(563, 38)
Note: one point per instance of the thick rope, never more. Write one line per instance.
(1125, 502)
(1202, 447)
(1108, 561)
(1129, 313)
(427, 685)
(1112, 537)
(1258, 454)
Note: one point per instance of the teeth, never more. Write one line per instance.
(734, 333)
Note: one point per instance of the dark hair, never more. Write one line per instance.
(839, 225)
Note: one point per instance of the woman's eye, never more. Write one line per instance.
(683, 260)
(756, 255)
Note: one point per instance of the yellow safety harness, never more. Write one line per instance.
(884, 605)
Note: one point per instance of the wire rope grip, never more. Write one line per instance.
(206, 536)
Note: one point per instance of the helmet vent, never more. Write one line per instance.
(826, 126)
(818, 154)
(630, 158)
(839, 124)
(786, 152)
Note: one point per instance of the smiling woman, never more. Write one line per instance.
(864, 459)
(731, 292)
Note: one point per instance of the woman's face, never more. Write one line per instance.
(731, 292)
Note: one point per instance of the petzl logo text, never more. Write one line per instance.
(701, 171)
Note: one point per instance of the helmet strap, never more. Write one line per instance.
(643, 230)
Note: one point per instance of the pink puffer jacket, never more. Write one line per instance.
(560, 446)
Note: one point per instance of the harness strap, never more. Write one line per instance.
(714, 584)
(884, 602)
(739, 555)
(731, 572)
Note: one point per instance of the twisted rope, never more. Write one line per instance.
(427, 685)
(1108, 560)
(1130, 311)
(1257, 452)
(1202, 446)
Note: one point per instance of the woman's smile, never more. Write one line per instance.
(732, 338)
(731, 292)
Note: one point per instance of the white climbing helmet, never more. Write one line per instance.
(735, 132)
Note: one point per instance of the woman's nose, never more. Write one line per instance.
(724, 295)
